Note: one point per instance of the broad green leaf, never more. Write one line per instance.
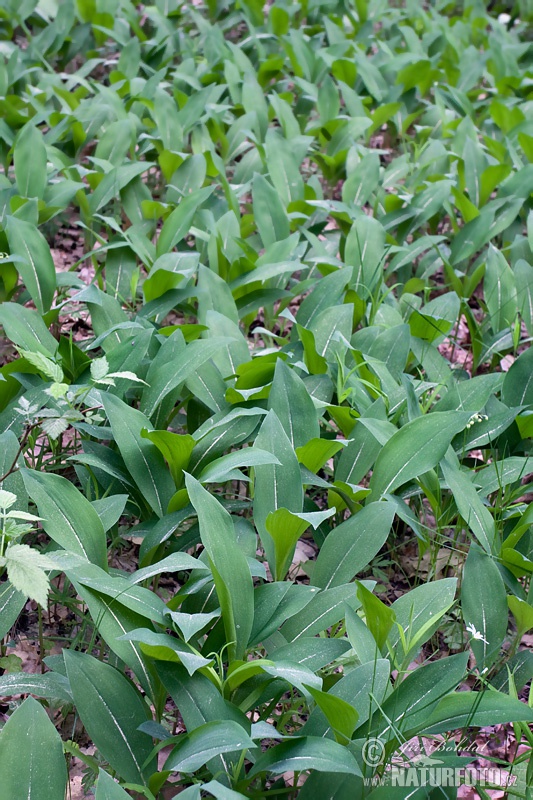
(408, 707)
(436, 318)
(32, 764)
(275, 486)
(316, 452)
(293, 405)
(306, 753)
(162, 647)
(221, 469)
(332, 329)
(484, 604)
(469, 505)
(270, 216)
(110, 509)
(523, 614)
(206, 742)
(176, 450)
(414, 449)
(334, 787)
(517, 386)
(115, 620)
(176, 562)
(231, 573)
(418, 612)
(198, 699)
(365, 251)
(11, 604)
(30, 162)
(325, 608)
(499, 291)
(108, 789)
(275, 603)
(111, 710)
(178, 223)
(142, 458)
(51, 685)
(363, 688)
(476, 709)
(113, 182)
(164, 376)
(120, 588)
(360, 638)
(25, 327)
(350, 547)
(36, 267)
(379, 617)
(285, 528)
(68, 517)
(190, 624)
(341, 715)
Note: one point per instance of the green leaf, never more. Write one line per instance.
(51, 685)
(142, 458)
(269, 214)
(32, 764)
(113, 182)
(499, 291)
(166, 375)
(365, 251)
(517, 389)
(99, 368)
(68, 517)
(30, 162)
(220, 470)
(108, 789)
(414, 449)
(306, 753)
(324, 609)
(469, 505)
(114, 620)
(198, 700)
(11, 604)
(419, 612)
(275, 486)
(177, 225)
(341, 715)
(25, 569)
(316, 452)
(379, 617)
(36, 267)
(44, 365)
(363, 688)
(476, 709)
(484, 604)
(190, 624)
(408, 707)
(163, 647)
(350, 547)
(206, 742)
(523, 614)
(231, 573)
(25, 328)
(111, 710)
(293, 405)
(285, 528)
(175, 448)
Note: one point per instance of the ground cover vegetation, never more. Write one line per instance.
(266, 395)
